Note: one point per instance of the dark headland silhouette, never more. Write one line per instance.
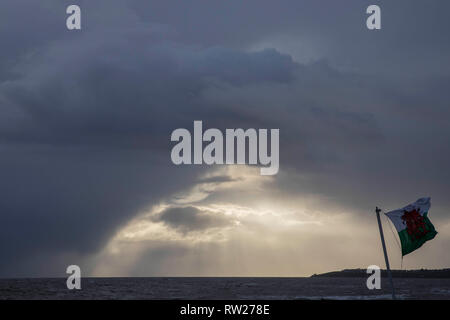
(419, 273)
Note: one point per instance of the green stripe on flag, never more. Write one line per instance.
(411, 243)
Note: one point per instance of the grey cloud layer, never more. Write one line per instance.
(85, 136)
(189, 218)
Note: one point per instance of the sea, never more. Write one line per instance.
(181, 288)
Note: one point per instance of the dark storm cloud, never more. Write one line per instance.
(217, 179)
(189, 218)
(86, 117)
(85, 133)
(414, 38)
(111, 96)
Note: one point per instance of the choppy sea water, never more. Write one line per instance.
(222, 288)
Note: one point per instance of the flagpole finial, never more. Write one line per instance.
(377, 210)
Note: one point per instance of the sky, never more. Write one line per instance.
(86, 116)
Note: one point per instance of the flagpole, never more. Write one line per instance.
(378, 210)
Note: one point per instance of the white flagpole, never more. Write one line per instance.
(377, 210)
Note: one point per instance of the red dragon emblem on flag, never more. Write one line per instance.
(415, 224)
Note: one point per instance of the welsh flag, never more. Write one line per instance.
(412, 224)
